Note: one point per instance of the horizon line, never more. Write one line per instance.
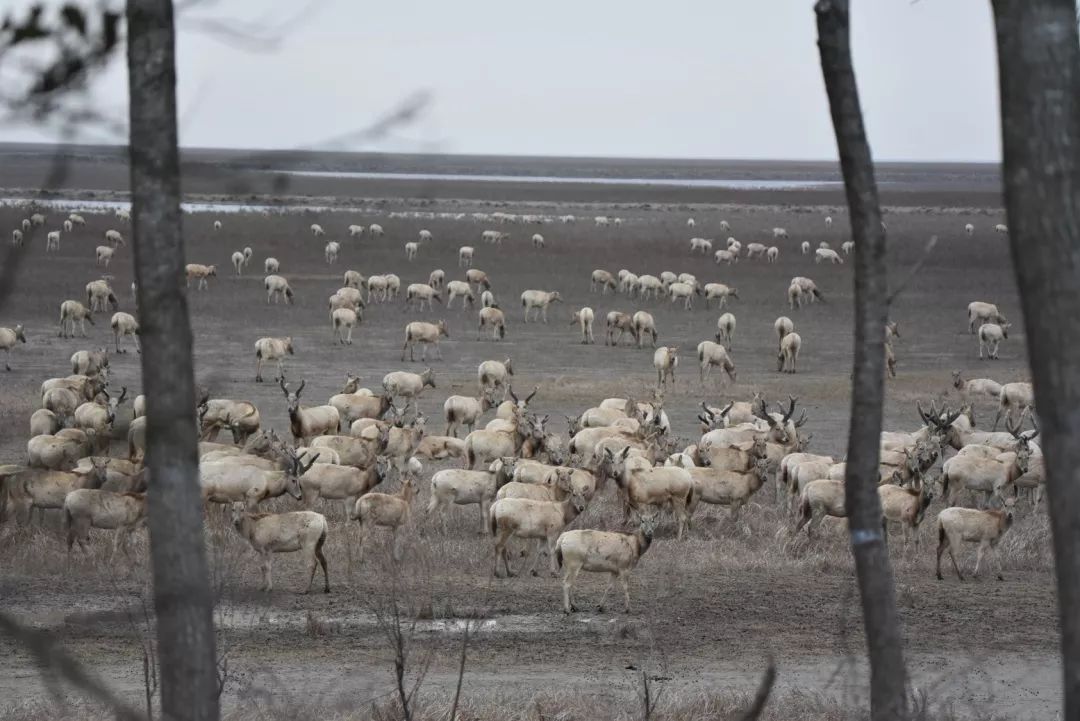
(642, 158)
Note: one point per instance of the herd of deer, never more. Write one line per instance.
(527, 482)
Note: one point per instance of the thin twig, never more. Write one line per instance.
(408, 110)
(461, 669)
(258, 37)
(930, 245)
(9, 269)
(646, 697)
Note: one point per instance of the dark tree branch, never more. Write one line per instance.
(182, 597)
(1039, 75)
(888, 677)
(762, 695)
(50, 657)
(81, 41)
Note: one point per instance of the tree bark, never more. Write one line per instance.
(182, 599)
(1039, 75)
(888, 676)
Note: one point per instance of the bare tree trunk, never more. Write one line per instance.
(888, 676)
(1039, 73)
(182, 598)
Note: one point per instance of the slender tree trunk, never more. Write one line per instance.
(1039, 73)
(888, 677)
(182, 598)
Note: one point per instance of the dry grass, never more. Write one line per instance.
(623, 704)
(761, 540)
(749, 574)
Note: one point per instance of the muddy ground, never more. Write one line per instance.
(707, 611)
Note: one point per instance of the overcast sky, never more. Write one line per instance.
(683, 78)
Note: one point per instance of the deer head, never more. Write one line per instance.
(292, 398)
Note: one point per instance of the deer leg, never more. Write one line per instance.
(607, 589)
(503, 537)
(978, 557)
(952, 556)
(322, 562)
(311, 563)
(483, 519)
(535, 553)
(395, 547)
(567, 588)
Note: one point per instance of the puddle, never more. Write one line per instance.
(245, 618)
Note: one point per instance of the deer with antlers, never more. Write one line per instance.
(990, 476)
(308, 422)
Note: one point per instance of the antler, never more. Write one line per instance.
(281, 382)
(950, 417)
(760, 411)
(1035, 429)
(1013, 430)
(301, 388)
(530, 396)
(510, 390)
(791, 409)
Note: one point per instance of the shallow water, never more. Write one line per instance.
(106, 206)
(732, 183)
